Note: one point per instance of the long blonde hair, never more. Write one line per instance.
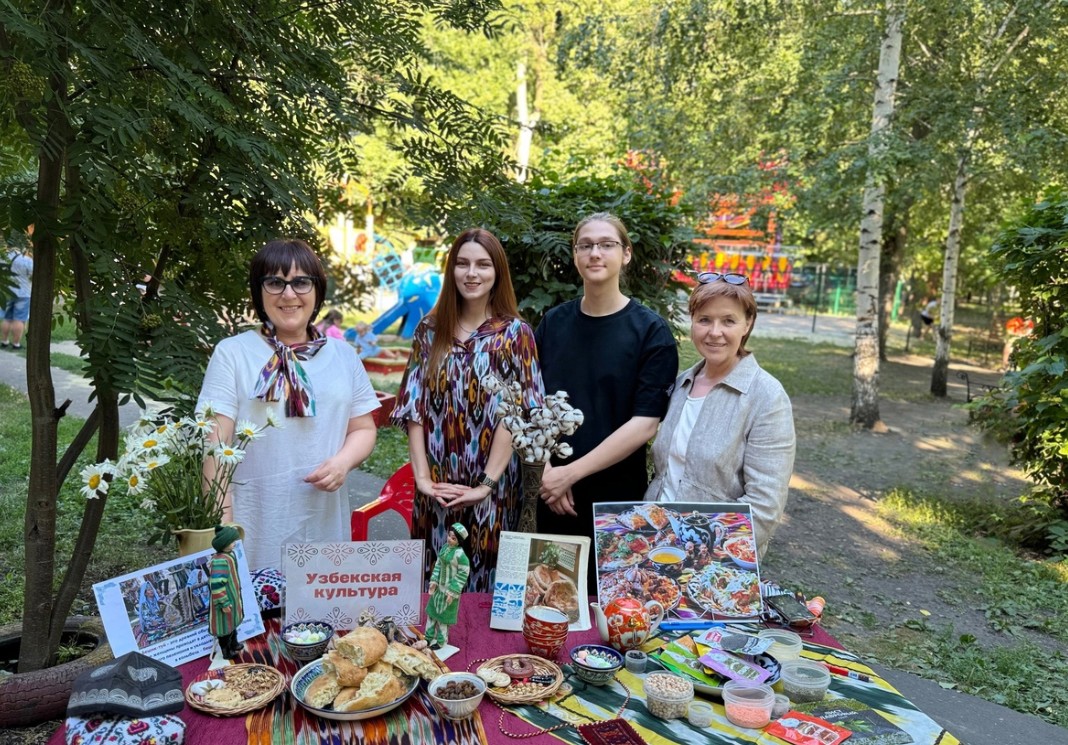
(446, 312)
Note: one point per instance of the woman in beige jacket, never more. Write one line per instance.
(729, 432)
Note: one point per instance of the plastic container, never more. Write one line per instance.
(451, 708)
(667, 695)
(785, 645)
(635, 661)
(748, 705)
(700, 714)
(782, 705)
(805, 680)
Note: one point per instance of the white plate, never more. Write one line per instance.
(307, 674)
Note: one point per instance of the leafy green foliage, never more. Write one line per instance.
(963, 534)
(168, 141)
(122, 545)
(1029, 410)
(534, 222)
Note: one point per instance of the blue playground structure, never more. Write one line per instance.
(417, 291)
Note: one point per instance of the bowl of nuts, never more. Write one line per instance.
(596, 664)
(456, 696)
(667, 695)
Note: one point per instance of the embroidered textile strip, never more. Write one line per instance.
(285, 722)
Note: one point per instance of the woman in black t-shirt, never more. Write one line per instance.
(618, 361)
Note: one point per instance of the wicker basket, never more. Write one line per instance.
(508, 695)
(265, 681)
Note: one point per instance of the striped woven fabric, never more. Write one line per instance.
(590, 703)
(285, 722)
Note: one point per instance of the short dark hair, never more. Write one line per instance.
(280, 255)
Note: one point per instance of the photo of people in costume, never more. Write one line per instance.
(166, 602)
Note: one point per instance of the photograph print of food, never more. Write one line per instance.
(551, 577)
(696, 559)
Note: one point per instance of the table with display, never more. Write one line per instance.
(416, 721)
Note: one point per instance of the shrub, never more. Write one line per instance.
(534, 222)
(1029, 410)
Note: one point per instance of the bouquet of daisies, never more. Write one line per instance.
(163, 461)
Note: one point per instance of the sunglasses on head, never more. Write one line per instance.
(731, 279)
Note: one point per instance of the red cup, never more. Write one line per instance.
(545, 630)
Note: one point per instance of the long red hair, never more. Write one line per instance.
(446, 313)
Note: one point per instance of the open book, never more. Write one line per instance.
(540, 569)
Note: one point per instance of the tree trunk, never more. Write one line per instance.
(106, 416)
(865, 408)
(940, 372)
(895, 235)
(40, 526)
(527, 123)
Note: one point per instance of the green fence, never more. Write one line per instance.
(824, 290)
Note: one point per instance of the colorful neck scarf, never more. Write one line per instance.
(283, 378)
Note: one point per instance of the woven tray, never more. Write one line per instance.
(262, 681)
(541, 667)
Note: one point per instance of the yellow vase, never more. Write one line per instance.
(191, 541)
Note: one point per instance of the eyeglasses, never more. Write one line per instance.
(276, 285)
(605, 246)
(731, 279)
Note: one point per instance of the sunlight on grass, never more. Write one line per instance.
(802, 368)
(390, 453)
(941, 528)
(120, 544)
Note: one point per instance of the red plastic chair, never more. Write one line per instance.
(398, 495)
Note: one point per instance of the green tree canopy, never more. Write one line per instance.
(171, 139)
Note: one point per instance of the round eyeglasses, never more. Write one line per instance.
(731, 279)
(276, 285)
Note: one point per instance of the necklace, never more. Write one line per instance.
(617, 721)
(470, 332)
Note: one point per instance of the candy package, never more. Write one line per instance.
(734, 668)
(805, 729)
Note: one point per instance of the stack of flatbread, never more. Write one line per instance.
(549, 586)
(366, 670)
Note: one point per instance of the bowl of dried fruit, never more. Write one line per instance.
(456, 695)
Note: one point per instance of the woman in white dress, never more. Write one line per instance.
(316, 391)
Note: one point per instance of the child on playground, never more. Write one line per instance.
(331, 324)
(363, 338)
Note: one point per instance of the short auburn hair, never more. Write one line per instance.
(743, 293)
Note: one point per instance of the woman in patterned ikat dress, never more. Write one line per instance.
(461, 454)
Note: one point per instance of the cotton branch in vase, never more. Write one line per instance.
(536, 430)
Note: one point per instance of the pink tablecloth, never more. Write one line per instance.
(476, 641)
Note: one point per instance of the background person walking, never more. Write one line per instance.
(17, 307)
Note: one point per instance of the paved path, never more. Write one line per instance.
(974, 721)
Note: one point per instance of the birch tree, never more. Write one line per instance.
(1015, 28)
(865, 407)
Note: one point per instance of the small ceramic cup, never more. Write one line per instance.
(635, 661)
(545, 630)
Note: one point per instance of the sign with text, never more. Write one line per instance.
(162, 611)
(337, 582)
